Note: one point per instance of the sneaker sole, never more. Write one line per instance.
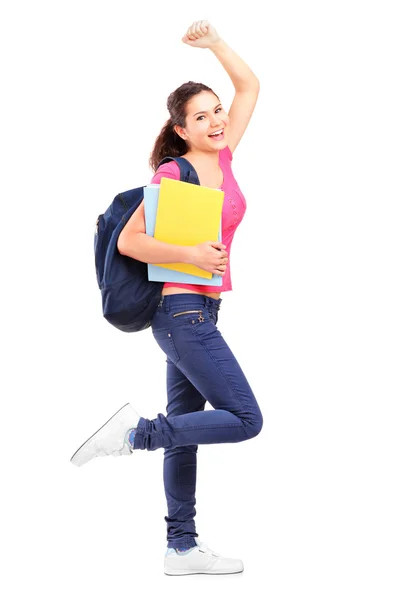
(96, 432)
(183, 572)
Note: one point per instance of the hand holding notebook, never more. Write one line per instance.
(209, 255)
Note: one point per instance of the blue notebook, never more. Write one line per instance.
(155, 273)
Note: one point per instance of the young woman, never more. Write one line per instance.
(200, 365)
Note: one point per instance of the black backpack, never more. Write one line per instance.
(129, 299)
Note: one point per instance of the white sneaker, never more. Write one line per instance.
(110, 439)
(200, 560)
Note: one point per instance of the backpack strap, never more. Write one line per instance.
(188, 172)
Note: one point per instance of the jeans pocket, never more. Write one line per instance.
(164, 338)
(190, 316)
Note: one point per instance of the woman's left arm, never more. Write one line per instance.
(203, 35)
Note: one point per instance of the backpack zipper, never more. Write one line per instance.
(186, 312)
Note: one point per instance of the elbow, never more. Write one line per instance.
(255, 85)
(121, 244)
(126, 246)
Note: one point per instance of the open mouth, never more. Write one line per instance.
(218, 135)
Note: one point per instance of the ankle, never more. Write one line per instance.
(130, 438)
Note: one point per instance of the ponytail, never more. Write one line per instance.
(168, 143)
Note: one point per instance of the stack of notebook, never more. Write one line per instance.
(185, 214)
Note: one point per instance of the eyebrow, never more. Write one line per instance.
(204, 111)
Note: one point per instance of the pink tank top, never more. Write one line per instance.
(233, 211)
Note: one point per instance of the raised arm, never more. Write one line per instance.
(202, 34)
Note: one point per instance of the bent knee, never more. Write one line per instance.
(254, 426)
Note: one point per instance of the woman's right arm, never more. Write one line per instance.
(135, 243)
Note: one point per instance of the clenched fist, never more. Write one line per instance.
(201, 34)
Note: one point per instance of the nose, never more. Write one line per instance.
(216, 122)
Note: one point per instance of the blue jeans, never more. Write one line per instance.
(200, 367)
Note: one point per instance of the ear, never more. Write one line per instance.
(180, 131)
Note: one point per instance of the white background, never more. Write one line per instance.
(311, 504)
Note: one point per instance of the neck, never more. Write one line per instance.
(203, 158)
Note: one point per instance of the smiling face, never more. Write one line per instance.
(204, 117)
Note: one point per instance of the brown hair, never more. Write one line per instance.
(168, 142)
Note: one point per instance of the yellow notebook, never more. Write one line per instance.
(187, 215)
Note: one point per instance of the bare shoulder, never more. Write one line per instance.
(169, 169)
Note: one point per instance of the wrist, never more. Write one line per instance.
(187, 254)
(217, 45)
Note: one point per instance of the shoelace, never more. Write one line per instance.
(204, 548)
